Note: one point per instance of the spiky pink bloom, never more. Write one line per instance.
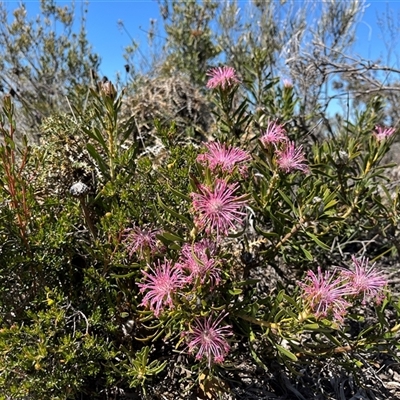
(219, 155)
(274, 134)
(222, 77)
(366, 281)
(325, 294)
(209, 339)
(140, 240)
(287, 83)
(382, 133)
(197, 261)
(291, 158)
(218, 209)
(161, 284)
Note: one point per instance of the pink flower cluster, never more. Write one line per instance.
(161, 283)
(217, 208)
(166, 281)
(325, 293)
(208, 339)
(222, 77)
(382, 133)
(224, 158)
(197, 262)
(292, 158)
(141, 241)
(367, 283)
(331, 293)
(288, 157)
(274, 134)
(287, 83)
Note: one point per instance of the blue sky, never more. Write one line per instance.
(109, 40)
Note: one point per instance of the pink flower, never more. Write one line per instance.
(382, 133)
(162, 284)
(287, 83)
(209, 340)
(366, 281)
(139, 240)
(197, 260)
(274, 134)
(325, 294)
(222, 77)
(218, 209)
(219, 155)
(292, 158)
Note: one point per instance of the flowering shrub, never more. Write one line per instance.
(239, 247)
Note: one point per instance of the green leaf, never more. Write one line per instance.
(173, 212)
(317, 241)
(312, 327)
(98, 158)
(286, 198)
(128, 275)
(330, 337)
(171, 237)
(235, 291)
(95, 134)
(307, 253)
(290, 300)
(286, 352)
(266, 234)
(248, 282)
(179, 194)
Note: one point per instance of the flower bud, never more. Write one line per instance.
(7, 104)
(108, 89)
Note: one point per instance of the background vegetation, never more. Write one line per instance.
(102, 195)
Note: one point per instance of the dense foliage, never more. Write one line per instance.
(130, 258)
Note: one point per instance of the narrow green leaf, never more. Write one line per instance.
(286, 352)
(248, 282)
(173, 212)
(179, 194)
(312, 327)
(128, 275)
(287, 200)
(266, 234)
(171, 237)
(95, 134)
(290, 300)
(97, 157)
(330, 337)
(307, 253)
(317, 241)
(235, 292)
